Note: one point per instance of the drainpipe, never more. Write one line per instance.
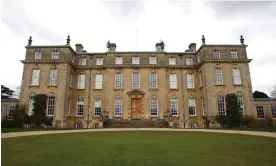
(89, 90)
(182, 92)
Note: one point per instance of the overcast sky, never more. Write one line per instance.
(92, 23)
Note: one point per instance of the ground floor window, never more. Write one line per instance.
(98, 107)
(78, 125)
(153, 107)
(174, 107)
(273, 109)
(260, 112)
(10, 115)
(193, 125)
(118, 107)
(96, 125)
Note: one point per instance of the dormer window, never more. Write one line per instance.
(99, 61)
(189, 61)
(82, 61)
(216, 54)
(234, 54)
(55, 54)
(38, 54)
(152, 60)
(172, 61)
(118, 60)
(135, 60)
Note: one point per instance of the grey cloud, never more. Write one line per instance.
(262, 10)
(16, 17)
(127, 11)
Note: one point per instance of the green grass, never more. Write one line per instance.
(9, 130)
(136, 148)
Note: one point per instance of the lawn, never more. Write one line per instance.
(264, 129)
(9, 130)
(135, 148)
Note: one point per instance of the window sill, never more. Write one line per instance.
(50, 115)
(173, 89)
(192, 115)
(79, 116)
(237, 85)
(37, 86)
(98, 89)
(118, 89)
(190, 89)
(220, 85)
(153, 89)
(53, 86)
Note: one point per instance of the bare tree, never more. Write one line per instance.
(273, 92)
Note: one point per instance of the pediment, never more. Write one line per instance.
(135, 92)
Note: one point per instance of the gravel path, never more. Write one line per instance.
(30, 133)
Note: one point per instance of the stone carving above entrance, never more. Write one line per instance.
(135, 92)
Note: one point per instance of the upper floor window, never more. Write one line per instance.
(135, 60)
(135, 80)
(82, 61)
(200, 79)
(273, 109)
(236, 76)
(216, 54)
(99, 81)
(99, 61)
(172, 61)
(219, 77)
(234, 54)
(51, 105)
(260, 112)
(35, 77)
(38, 54)
(190, 81)
(221, 105)
(152, 60)
(81, 81)
(53, 77)
(153, 80)
(119, 80)
(118, 60)
(189, 61)
(97, 107)
(173, 81)
(55, 54)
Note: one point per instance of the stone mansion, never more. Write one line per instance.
(134, 85)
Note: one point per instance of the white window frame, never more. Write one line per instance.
(53, 77)
(99, 81)
(189, 61)
(152, 60)
(273, 111)
(190, 81)
(153, 80)
(174, 107)
(38, 55)
(260, 112)
(69, 106)
(200, 79)
(236, 76)
(83, 61)
(153, 107)
(97, 107)
(241, 103)
(31, 106)
(135, 60)
(119, 80)
(216, 54)
(173, 81)
(118, 60)
(136, 80)
(172, 61)
(81, 81)
(51, 103)
(99, 61)
(221, 105)
(234, 54)
(203, 106)
(193, 125)
(219, 76)
(11, 111)
(118, 107)
(35, 77)
(55, 54)
(192, 107)
(80, 106)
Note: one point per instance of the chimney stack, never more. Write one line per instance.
(192, 47)
(79, 48)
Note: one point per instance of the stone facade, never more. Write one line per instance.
(69, 63)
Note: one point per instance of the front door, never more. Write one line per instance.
(135, 108)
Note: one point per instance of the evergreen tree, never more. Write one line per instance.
(233, 114)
